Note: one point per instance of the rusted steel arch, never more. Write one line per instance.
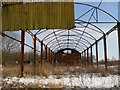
(44, 30)
(32, 35)
(75, 37)
(72, 44)
(71, 30)
(66, 40)
(67, 49)
(84, 32)
(65, 46)
(70, 41)
(91, 25)
(91, 37)
(62, 31)
(98, 9)
(57, 50)
(53, 40)
(53, 45)
(63, 37)
(90, 28)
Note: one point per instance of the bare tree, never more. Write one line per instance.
(9, 45)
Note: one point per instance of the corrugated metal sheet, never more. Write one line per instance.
(51, 15)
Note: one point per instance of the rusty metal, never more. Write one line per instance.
(77, 35)
(41, 60)
(74, 39)
(54, 59)
(91, 55)
(5, 35)
(65, 46)
(34, 50)
(105, 51)
(46, 53)
(49, 55)
(96, 53)
(34, 54)
(84, 4)
(56, 41)
(118, 25)
(84, 58)
(22, 51)
(73, 42)
(84, 45)
(80, 57)
(88, 55)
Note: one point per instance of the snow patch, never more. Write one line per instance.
(83, 80)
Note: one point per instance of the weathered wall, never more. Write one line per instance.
(68, 58)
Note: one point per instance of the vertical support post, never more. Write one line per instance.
(22, 51)
(105, 51)
(46, 53)
(80, 57)
(34, 56)
(54, 59)
(88, 55)
(118, 26)
(34, 50)
(85, 58)
(91, 56)
(49, 55)
(0, 35)
(96, 53)
(41, 53)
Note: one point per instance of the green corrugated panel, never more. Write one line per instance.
(53, 15)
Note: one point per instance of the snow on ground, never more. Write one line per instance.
(83, 81)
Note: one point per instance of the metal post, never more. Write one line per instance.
(46, 53)
(87, 55)
(34, 50)
(105, 51)
(80, 56)
(49, 55)
(34, 57)
(118, 25)
(85, 58)
(22, 51)
(97, 54)
(54, 59)
(41, 52)
(91, 56)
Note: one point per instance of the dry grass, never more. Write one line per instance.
(48, 69)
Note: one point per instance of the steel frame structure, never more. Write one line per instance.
(82, 41)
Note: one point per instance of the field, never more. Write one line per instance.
(61, 76)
